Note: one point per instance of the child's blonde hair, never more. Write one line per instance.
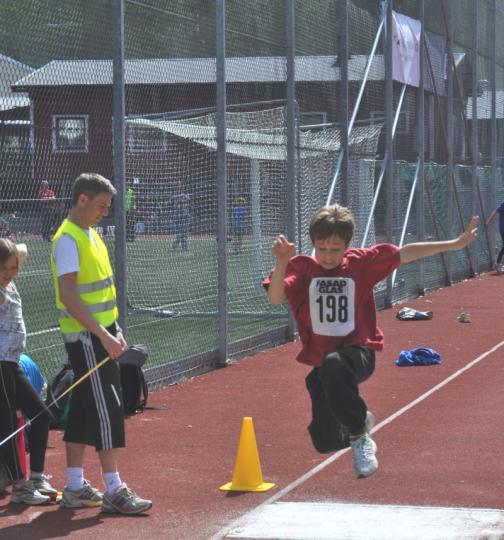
(333, 220)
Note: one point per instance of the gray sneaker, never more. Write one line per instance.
(43, 486)
(27, 493)
(124, 501)
(364, 450)
(86, 497)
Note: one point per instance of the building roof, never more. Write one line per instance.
(195, 70)
(11, 70)
(8, 103)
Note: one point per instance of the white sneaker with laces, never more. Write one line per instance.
(42, 484)
(364, 450)
(27, 493)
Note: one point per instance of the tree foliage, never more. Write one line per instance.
(38, 31)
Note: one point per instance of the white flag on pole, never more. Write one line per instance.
(406, 35)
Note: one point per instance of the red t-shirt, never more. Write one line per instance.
(46, 193)
(334, 308)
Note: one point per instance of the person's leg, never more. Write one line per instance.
(327, 434)
(341, 373)
(30, 404)
(8, 421)
(183, 237)
(37, 489)
(85, 424)
(501, 252)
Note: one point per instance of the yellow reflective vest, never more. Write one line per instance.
(95, 281)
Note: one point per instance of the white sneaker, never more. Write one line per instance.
(27, 493)
(364, 450)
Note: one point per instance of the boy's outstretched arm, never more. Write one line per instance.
(419, 250)
(283, 251)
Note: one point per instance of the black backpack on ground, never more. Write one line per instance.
(62, 380)
(134, 387)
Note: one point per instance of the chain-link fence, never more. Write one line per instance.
(225, 122)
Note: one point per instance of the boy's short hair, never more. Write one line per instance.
(7, 249)
(333, 220)
(91, 184)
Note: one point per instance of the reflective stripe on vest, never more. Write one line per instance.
(83, 288)
(92, 308)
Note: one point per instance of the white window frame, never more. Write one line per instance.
(55, 119)
(323, 117)
(403, 125)
(133, 146)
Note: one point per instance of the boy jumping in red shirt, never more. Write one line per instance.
(332, 300)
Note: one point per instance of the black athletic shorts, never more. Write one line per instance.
(96, 415)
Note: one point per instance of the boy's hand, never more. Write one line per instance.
(283, 249)
(470, 234)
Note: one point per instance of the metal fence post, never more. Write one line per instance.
(450, 131)
(344, 103)
(220, 35)
(389, 120)
(474, 127)
(119, 161)
(421, 150)
(291, 134)
(493, 126)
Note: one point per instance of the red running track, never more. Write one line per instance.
(443, 450)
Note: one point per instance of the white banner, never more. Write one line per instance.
(406, 35)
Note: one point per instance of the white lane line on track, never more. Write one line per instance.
(312, 472)
(343, 521)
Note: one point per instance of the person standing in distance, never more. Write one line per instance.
(500, 210)
(47, 199)
(86, 301)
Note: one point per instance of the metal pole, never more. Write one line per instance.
(383, 169)
(421, 152)
(356, 107)
(450, 132)
(445, 139)
(119, 161)
(493, 127)
(344, 102)
(474, 127)
(220, 53)
(408, 211)
(291, 136)
(389, 171)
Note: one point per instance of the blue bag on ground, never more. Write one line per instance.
(418, 357)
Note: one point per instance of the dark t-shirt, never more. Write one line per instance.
(335, 308)
(500, 211)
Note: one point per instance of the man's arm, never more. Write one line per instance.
(419, 250)
(69, 295)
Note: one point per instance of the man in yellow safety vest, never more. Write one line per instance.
(86, 301)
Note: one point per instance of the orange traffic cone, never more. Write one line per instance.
(247, 475)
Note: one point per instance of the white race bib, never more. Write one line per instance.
(332, 306)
